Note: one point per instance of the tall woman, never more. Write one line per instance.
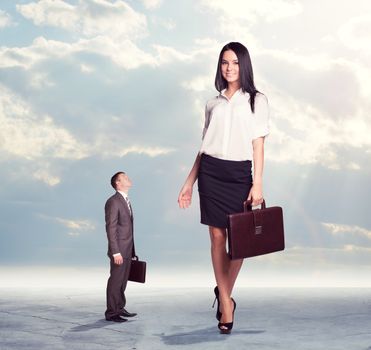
(236, 122)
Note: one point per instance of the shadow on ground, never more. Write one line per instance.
(204, 335)
(94, 325)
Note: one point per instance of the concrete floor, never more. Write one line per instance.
(183, 319)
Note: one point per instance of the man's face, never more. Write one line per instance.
(123, 183)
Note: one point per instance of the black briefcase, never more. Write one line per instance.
(255, 232)
(137, 270)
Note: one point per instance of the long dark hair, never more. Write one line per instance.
(246, 72)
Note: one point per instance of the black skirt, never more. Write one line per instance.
(223, 186)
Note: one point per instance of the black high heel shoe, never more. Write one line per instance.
(226, 328)
(218, 313)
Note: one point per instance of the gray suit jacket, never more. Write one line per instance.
(119, 226)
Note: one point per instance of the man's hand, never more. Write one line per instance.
(118, 259)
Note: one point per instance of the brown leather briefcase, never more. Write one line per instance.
(137, 270)
(255, 232)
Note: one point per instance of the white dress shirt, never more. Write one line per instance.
(126, 200)
(230, 126)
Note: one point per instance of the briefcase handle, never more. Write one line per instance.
(248, 207)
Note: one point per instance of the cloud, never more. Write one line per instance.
(314, 121)
(55, 13)
(198, 83)
(44, 175)
(305, 134)
(40, 80)
(123, 53)
(80, 225)
(168, 24)
(357, 249)
(149, 151)
(5, 19)
(105, 28)
(235, 18)
(23, 133)
(76, 226)
(87, 69)
(254, 10)
(166, 54)
(355, 33)
(34, 137)
(39, 50)
(337, 229)
(89, 18)
(152, 4)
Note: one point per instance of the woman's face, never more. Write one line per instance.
(230, 67)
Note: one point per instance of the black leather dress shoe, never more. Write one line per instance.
(126, 313)
(116, 319)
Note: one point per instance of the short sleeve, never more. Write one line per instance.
(207, 121)
(260, 118)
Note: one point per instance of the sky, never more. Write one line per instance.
(88, 88)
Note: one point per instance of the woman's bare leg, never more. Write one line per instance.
(234, 269)
(225, 270)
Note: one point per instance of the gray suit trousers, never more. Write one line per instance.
(116, 285)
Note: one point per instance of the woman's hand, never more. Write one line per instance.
(256, 194)
(185, 196)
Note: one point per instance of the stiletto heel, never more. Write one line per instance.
(214, 303)
(218, 313)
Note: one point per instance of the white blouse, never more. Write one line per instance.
(230, 126)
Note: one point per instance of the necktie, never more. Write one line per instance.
(129, 205)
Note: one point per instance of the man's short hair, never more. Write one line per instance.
(114, 178)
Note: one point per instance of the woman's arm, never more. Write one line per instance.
(185, 195)
(256, 192)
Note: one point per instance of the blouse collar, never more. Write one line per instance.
(238, 92)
